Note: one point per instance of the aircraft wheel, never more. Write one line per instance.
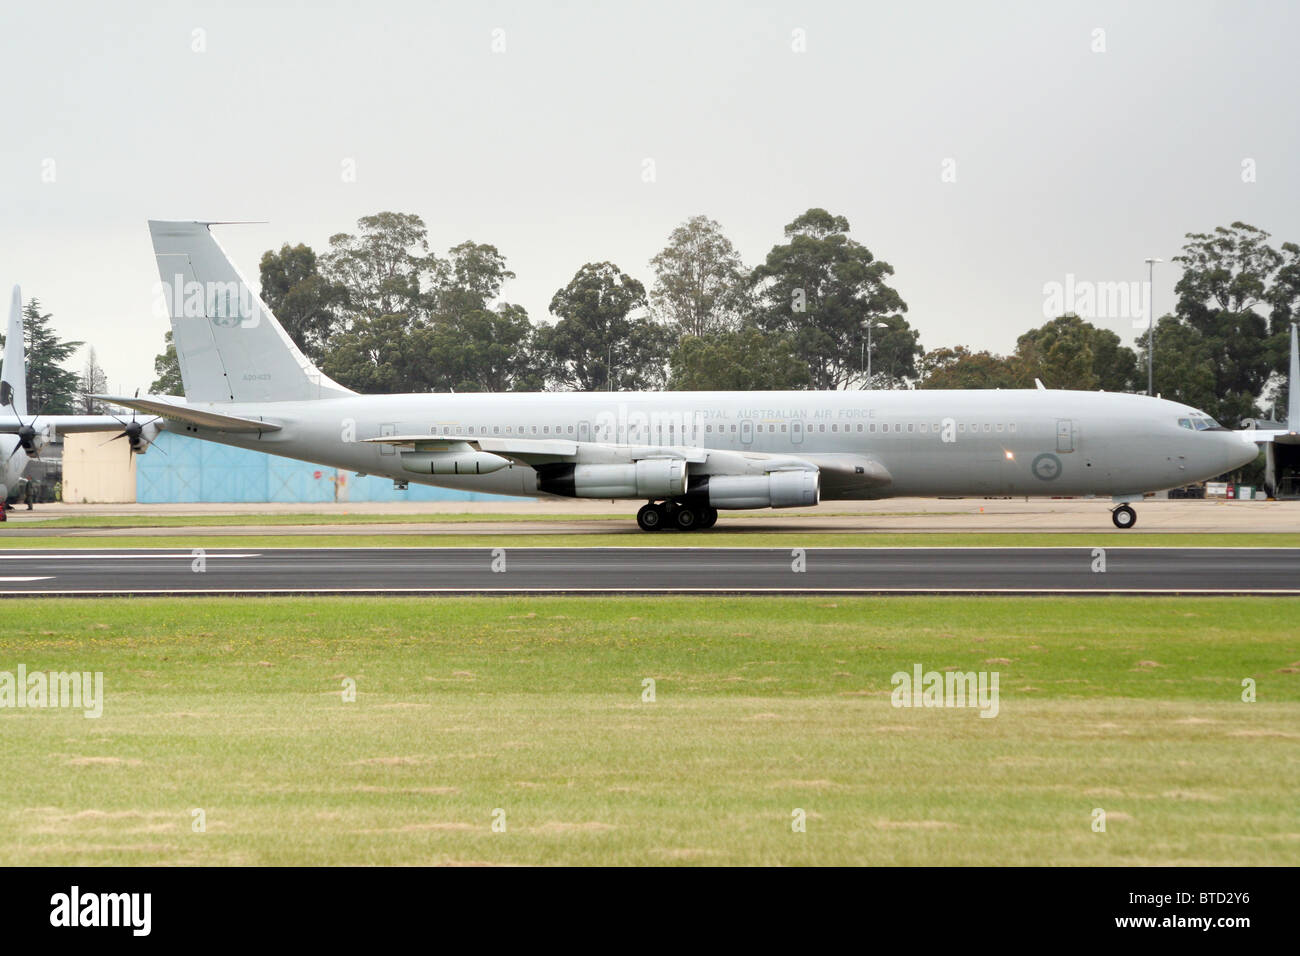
(687, 518)
(650, 518)
(1124, 517)
(708, 517)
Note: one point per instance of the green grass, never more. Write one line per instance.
(533, 706)
(631, 537)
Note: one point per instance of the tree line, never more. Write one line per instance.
(379, 312)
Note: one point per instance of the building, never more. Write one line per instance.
(180, 469)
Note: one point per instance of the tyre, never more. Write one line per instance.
(1124, 517)
(708, 517)
(650, 518)
(687, 518)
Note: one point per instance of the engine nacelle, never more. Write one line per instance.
(776, 489)
(452, 463)
(649, 478)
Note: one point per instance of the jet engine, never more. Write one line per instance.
(648, 478)
(777, 489)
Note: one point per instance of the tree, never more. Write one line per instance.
(597, 344)
(821, 287)
(1229, 275)
(93, 382)
(386, 268)
(468, 280)
(483, 351)
(377, 356)
(307, 304)
(409, 320)
(959, 367)
(167, 368)
(1068, 352)
(1184, 368)
(51, 389)
(743, 359)
(700, 283)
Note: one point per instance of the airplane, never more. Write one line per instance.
(688, 455)
(20, 440)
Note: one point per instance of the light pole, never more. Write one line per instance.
(866, 346)
(1151, 324)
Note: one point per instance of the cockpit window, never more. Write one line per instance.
(1198, 421)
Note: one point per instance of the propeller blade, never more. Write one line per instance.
(113, 439)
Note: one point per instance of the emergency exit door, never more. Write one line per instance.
(1064, 435)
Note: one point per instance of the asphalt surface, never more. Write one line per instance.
(659, 569)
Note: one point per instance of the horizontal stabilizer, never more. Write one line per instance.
(201, 417)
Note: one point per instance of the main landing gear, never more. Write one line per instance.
(681, 515)
(1124, 517)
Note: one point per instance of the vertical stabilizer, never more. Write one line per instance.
(229, 346)
(13, 370)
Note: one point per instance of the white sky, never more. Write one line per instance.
(1068, 161)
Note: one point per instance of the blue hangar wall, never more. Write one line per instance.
(183, 469)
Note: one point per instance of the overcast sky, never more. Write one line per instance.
(1067, 160)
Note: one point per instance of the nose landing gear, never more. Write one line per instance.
(1124, 517)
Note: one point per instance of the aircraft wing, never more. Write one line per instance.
(63, 423)
(841, 474)
(193, 415)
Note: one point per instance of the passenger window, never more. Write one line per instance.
(859, 426)
(783, 428)
(999, 426)
(1011, 427)
(911, 427)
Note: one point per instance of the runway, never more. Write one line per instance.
(663, 570)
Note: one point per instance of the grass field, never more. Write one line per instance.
(632, 538)
(533, 706)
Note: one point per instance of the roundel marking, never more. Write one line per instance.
(1046, 467)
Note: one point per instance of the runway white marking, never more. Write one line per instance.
(188, 555)
(23, 580)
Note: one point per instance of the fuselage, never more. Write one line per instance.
(931, 443)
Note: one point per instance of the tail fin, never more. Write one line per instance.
(229, 346)
(13, 370)
(1293, 385)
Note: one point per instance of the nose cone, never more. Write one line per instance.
(1237, 451)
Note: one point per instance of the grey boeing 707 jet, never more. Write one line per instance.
(688, 455)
